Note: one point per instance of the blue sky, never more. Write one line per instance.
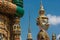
(52, 10)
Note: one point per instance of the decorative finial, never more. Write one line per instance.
(41, 5)
(29, 36)
(29, 24)
(53, 36)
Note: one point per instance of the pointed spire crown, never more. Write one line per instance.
(53, 34)
(41, 11)
(41, 5)
(29, 36)
(29, 31)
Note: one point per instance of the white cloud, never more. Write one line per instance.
(58, 36)
(53, 19)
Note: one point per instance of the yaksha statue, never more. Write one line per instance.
(10, 13)
(42, 22)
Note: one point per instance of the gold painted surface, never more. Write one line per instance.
(17, 37)
(53, 37)
(16, 29)
(7, 7)
(42, 35)
(42, 22)
(9, 0)
(29, 36)
(3, 32)
(4, 20)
